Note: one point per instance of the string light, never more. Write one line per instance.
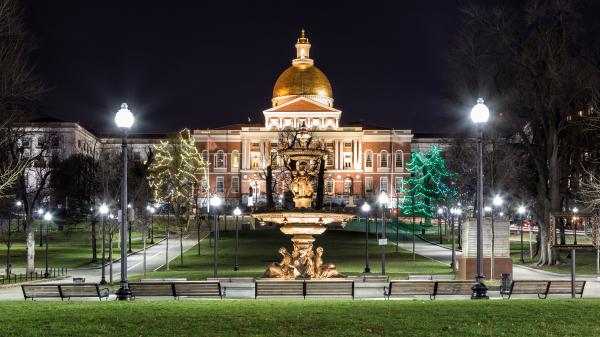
(176, 170)
(428, 184)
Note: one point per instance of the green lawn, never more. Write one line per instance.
(259, 248)
(68, 249)
(291, 318)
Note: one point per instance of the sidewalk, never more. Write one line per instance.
(155, 258)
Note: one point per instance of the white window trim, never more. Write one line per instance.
(387, 184)
(222, 179)
(401, 167)
(233, 178)
(367, 168)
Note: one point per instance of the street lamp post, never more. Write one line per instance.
(124, 120)
(366, 208)
(152, 210)
(479, 115)
(237, 212)
(496, 202)
(521, 211)
(40, 213)
(19, 205)
(215, 202)
(575, 210)
(383, 201)
(47, 219)
(440, 212)
(103, 211)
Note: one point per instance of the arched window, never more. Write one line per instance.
(220, 159)
(383, 159)
(329, 186)
(398, 160)
(369, 159)
(235, 159)
(348, 186)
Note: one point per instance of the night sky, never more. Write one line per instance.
(207, 64)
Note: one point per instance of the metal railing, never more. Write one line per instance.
(18, 278)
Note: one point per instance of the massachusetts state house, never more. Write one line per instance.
(362, 160)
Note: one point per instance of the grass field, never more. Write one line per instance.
(259, 248)
(292, 318)
(65, 249)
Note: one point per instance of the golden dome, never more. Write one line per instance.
(302, 79)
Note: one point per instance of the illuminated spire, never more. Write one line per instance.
(302, 50)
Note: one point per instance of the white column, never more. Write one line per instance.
(337, 155)
(359, 167)
(354, 153)
(243, 154)
(262, 154)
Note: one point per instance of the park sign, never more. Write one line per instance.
(565, 227)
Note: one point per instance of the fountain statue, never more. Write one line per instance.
(302, 157)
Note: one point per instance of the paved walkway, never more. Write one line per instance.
(155, 258)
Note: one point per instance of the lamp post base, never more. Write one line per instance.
(479, 292)
(123, 294)
(236, 268)
(367, 270)
(103, 282)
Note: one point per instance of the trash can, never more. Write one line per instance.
(506, 281)
(423, 231)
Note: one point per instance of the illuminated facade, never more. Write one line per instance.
(362, 161)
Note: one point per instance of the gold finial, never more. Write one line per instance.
(303, 38)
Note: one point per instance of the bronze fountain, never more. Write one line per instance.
(303, 158)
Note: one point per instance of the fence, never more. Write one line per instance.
(17, 278)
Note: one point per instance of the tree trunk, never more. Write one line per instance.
(30, 244)
(269, 187)
(167, 241)
(181, 245)
(94, 254)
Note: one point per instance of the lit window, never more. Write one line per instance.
(369, 159)
(329, 158)
(347, 144)
(347, 160)
(368, 184)
(383, 184)
(398, 160)
(316, 123)
(348, 186)
(255, 160)
(220, 159)
(220, 184)
(205, 156)
(235, 159)
(329, 186)
(235, 184)
(399, 181)
(383, 159)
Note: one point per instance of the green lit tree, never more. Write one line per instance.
(429, 185)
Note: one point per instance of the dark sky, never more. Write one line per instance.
(204, 64)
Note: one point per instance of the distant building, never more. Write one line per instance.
(363, 161)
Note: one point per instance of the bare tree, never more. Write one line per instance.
(19, 90)
(533, 64)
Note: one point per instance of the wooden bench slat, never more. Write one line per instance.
(410, 287)
(197, 289)
(151, 289)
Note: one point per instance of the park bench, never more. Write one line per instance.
(526, 287)
(329, 288)
(151, 289)
(199, 289)
(430, 288)
(63, 291)
(543, 288)
(281, 288)
(41, 291)
(453, 288)
(563, 287)
(83, 290)
(369, 278)
(404, 288)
